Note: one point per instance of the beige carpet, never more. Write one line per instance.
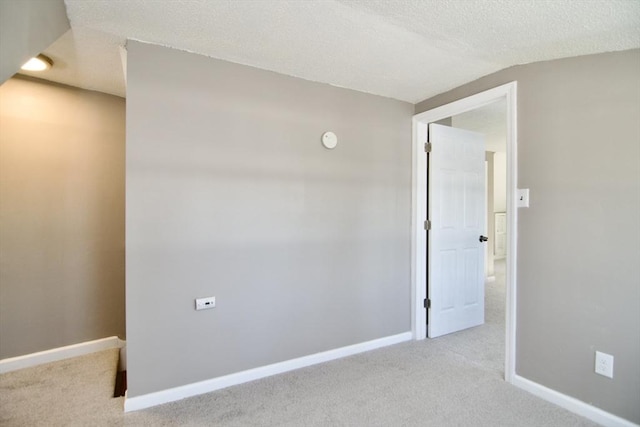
(75, 391)
(484, 345)
(450, 381)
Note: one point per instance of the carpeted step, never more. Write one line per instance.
(80, 387)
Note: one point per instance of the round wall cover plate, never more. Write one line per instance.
(329, 140)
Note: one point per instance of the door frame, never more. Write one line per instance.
(419, 210)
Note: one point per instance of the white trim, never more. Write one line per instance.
(419, 214)
(571, 404)
(123, 59)
(194, 389)
(512, 231)
(60, 353)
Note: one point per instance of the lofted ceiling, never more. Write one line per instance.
(403, 49)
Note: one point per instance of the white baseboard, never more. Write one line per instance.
(572, 404)
(60, 353)
(194, 389)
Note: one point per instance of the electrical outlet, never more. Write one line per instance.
(604, 364)
(205, 303)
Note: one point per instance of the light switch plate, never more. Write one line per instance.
(523, 197)
(205, 303)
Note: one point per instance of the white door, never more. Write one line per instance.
(455, 266)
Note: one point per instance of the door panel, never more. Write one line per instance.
(457, 214)
(470, 256)
(471, 202)
(448, 266)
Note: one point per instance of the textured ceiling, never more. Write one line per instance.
(404, 49)
(490, 120)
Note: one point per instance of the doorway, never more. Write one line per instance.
(491, 122)
(506, 94)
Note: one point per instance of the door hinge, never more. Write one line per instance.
(427, 225)
(427, 303)
(427, 147)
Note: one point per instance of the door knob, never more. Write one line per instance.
(483, 239)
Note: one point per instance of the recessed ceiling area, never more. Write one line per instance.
(403, 49)
(88, 59)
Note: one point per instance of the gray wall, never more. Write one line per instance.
(579, 242)
(61, 216)
(231, 194)
(27, 27)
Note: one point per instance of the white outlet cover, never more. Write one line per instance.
(329, 140)
(604, 364)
